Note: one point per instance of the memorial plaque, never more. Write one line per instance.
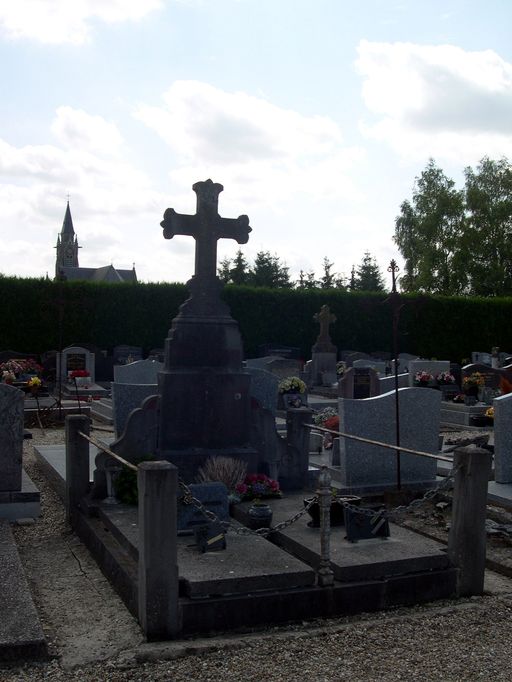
(361, 382)
(75, 361)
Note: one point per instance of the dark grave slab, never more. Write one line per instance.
(21, 634)
(249, 563)
(403, 552)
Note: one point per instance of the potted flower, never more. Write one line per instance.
(328, 419)
(423, 378)
(472, 383)
(445, 378)
(340, 369)
(258, 487)
(292, 390)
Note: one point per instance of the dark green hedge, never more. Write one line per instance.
(107, 315)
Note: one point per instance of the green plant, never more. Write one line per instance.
(291, 385)
(125, 483)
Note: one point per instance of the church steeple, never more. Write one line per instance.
(67, 245)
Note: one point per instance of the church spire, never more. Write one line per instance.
(67, 225)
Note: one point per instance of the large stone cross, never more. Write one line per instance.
(325, 319)
(207, 227)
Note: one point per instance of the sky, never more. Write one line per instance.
(315, 115)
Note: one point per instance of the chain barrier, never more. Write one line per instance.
(188, 498)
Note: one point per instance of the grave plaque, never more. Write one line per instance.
(361, 382)
(75, 361)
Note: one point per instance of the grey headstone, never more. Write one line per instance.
(11, 437)
(264, 388)
(369, 467)
(433, 367)
(478, 358)
(374, 364)
(139, 372)
(492, 377)
(502, 441)
(125, 398)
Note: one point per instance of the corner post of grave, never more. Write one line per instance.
(467, 537)
(77, 463)
(325, 574)
(158, 603)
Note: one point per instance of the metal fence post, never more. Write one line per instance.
(467, 538)
(159, 613)
(325, 572)
(77, 463)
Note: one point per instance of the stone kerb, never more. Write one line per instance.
(431, 366)
(11, 437)
(365, 467)
(502, 441)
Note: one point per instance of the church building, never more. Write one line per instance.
(66, 263)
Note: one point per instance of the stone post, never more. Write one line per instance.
(325, 573)
(159, 613)
(467, 537)
(77, 463)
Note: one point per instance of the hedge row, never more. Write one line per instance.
(39, 315)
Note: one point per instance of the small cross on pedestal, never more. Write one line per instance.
(324, 318)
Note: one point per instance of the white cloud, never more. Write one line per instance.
(437, 101)
(66, 21)
(264, 152)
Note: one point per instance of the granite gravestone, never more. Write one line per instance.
(124, 354)
(11, 437)
(132, 384)
(492, 377)
(502, 441)
(366, 467)
(204, 390)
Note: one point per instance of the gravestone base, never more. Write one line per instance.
(189, 461)
(93, 390)
(21, 504)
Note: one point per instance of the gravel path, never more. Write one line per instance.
(93, 638)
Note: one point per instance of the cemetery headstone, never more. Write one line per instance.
(379, 367)
(322, 368)
(479, 358)
(433, 367)
(204, 390)
(358, 383)
(11, 437)
(502, 441)
(351, 357)
(264, 388)
(367, 467)
(491, 376)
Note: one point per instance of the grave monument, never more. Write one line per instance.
(203, 388)
(321, 369)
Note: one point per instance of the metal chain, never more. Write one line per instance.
(188, 498)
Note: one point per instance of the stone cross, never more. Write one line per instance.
(324, 318)
(207, 227)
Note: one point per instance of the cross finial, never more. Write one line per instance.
(393, 269)
(207, 227)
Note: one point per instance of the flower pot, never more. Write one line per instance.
(292, 400)
(260, 516)
(337, 512)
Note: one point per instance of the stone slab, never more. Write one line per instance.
(21, 634)
(459, 413)
(249, 563)
(20, 504)
(403, 552)
(52, 459)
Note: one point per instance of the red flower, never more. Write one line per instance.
(332, 423)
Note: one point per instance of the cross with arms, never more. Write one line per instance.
(207, 227)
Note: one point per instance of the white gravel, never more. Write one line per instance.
(93, 638)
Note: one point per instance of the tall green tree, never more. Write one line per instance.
(307, 280)
(234, 271)
(268, 271)
(488, 238)
(367, 276)
(429, 233)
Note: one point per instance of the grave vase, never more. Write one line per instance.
(260, 516)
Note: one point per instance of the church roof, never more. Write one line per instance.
(105, 274)
(67, 225)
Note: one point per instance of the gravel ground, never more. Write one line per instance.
(93, 638)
